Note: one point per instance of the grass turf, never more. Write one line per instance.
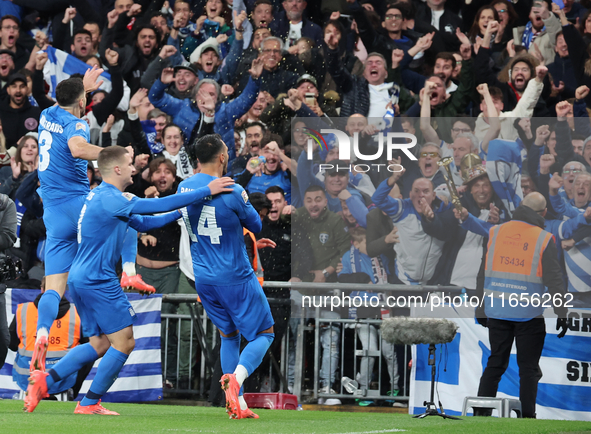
(58, 417)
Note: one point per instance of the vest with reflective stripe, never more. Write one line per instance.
(258, 269)
(514, 266)
(63, 335)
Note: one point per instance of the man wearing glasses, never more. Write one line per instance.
(9, 34)
(426, 167)
(275, 79)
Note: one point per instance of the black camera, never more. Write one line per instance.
(10, 268)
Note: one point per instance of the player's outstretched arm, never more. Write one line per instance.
(80, 148)
(180, 200)
(146, 223)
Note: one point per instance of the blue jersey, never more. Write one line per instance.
(215, 230)
(62, 176)
(101, 230)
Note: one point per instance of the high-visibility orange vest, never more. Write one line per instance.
(63, 335)
(513, 271)
(258, 268)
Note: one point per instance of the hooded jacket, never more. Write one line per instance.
(18, 122)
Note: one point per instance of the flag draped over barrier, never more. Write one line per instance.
(141, 376)
(564, 392)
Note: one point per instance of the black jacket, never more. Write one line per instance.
(18, 122)
(456, 235)
(448, 23)
(276, 262)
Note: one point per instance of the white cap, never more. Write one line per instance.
(210, 43)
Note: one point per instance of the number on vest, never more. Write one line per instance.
(211, 230)
(45, 141)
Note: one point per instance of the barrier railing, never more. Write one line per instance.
(196, 331)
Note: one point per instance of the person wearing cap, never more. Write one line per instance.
(208, 57)
(9, 35)
(462, 253)
(185, 75)
(16, 111)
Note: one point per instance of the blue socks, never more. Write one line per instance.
(230, 353)
(252, 355)
(48, 308)
(129, 252)
(72, 362)
(106, 375)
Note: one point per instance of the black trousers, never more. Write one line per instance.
(529, 339)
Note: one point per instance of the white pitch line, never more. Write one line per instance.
(376, 432)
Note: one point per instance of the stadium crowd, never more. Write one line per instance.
(502, 88)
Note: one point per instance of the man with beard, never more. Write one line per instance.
(417, 253)
(9, 35)
(185, 76)
(565, 137)
(445, 63)
(231, 294)
(521, 71)
(158, 254)
(254, 133)
(16, 112)
(255, 112)
(258, 177)
(291, 24)
(463, 250)
(134, 59)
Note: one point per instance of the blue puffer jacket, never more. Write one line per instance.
(185, 114)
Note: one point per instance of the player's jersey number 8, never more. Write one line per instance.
(45, 141)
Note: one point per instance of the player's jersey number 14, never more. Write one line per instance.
(207, 226)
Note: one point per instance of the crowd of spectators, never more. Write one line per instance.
(499, 87)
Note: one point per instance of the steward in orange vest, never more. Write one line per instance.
(521, 271)
(65, 334)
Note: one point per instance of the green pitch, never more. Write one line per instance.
(58, 417)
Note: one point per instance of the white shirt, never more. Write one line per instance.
(295, 33)
(435, 16)
(452, 87)
(469, 257)
(379, 97)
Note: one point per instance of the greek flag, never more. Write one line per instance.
(141, 376)
(504, 171)
(60, 65)
(564, 392)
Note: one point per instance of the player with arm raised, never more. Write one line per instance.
(106, 314)
(224, 278)
(64, 151)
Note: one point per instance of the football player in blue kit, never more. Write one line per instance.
(224, 279)
(106, 314)
(64, 152)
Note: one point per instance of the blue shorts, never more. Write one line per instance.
(61, 223)
(103, 309)
(241, 307)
